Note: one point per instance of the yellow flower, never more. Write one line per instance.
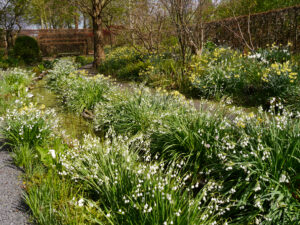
(42, 106)
(241, 124)
(176, 93)
(251, 115)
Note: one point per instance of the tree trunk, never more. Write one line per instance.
(76, 21)
(8, 40)
(99, 54)
(84, 22)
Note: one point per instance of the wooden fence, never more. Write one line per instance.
(54, 42)
(73, 41)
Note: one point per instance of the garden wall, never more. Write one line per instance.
(277, 26)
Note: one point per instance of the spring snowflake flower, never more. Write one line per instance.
(80, 202)
(52, 152)
(29, 95)
(283, 179)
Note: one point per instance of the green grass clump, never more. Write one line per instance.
(136, 111)
(28, 125)
(76, 89)
(240, 158)
(56, 79)
(31, 133)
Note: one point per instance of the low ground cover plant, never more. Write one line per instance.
(84, 60)
(62, 188)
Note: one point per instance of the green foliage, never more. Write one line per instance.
(230, 8)
(9, 62)
(56, 79)
(75, 88)
(27, 49)
(134, 112)
(275, 54)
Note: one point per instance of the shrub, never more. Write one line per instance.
(132, 70)
(27, 49)
(119, 58)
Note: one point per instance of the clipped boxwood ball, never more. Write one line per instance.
(27, 49)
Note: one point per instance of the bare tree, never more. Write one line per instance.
(148, 25)
(188, 17)
(11, 12)
(244, 37)
(95, 8)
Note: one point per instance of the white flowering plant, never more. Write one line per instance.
(29, 124)
(62, 69)
(13, 86)
(84, 93)
(139, 110)
(258, 174)
(128, 191)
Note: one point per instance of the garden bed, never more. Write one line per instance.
(158, 159)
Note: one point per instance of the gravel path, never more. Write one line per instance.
(12, 209)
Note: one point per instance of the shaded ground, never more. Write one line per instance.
(13, 211)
